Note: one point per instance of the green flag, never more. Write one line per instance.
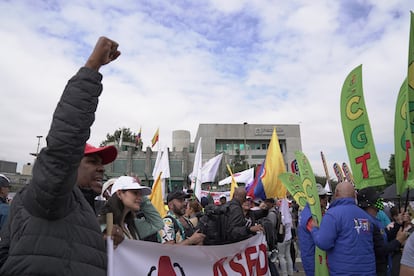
(410, 92)
(357, 133)
(309, 187)
(404, 172)
(293, 184)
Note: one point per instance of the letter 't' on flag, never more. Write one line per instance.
(357, 133)
(155, 138)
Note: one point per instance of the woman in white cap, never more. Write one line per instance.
(128, 196)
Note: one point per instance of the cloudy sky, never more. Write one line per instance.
(189, 62)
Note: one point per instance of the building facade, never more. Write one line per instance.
(248, 141)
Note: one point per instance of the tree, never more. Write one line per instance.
(389, 174)
(239, 163)
(127, 136)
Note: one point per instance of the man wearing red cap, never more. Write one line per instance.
(52, 229)
(91, 170)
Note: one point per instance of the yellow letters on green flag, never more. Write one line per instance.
(357, 133)
(293, 184)
(309, 187)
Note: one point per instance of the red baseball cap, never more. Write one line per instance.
(107, 154)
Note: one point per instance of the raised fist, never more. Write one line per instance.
(105, 51)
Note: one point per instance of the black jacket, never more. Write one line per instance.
(52, 229)
(237, 229)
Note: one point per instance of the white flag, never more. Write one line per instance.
(210, 168)
(121, 136)
(162, 165)
(245, 176)
(327, 187)
(196, 175)
(156, 170)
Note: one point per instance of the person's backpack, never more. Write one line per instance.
(188, 229)
(214, 224)
(270, 231)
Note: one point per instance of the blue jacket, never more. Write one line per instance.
(346, 234)
(4, 211)
(306, 243)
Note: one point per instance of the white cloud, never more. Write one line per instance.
(215, 62)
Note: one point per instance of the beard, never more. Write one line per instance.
(178, 211)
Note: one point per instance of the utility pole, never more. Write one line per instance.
(38, 146)
(245, 146)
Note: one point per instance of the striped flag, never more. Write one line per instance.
(138, 138)
(155, 138)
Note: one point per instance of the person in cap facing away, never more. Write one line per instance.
(177, 228)
(306, 243)
(385, 241)
(128, 197)
(52, 229)
(4, 204)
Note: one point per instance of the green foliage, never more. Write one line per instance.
(389, 173)
(239, 163)
(127, 136)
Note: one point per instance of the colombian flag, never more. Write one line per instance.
(269, 185)
(155, 138)
(138, 138)
(251, 187)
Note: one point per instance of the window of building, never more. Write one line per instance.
(176, 168)
(138, 167)
(120, 166)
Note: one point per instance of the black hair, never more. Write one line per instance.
(115, 206)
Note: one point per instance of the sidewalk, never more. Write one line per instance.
(299, 266)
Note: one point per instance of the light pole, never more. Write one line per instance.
(245, 148)
(38, 145)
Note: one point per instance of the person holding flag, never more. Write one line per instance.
(306, 243)
(346, 234)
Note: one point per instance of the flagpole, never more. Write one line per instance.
(326, 171)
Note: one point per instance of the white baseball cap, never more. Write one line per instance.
(129, 183)
(107, 185)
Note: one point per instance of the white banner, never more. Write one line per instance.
(216, 195)
(134, 257)
(245, 176)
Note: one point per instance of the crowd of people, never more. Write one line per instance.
(55, 225)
